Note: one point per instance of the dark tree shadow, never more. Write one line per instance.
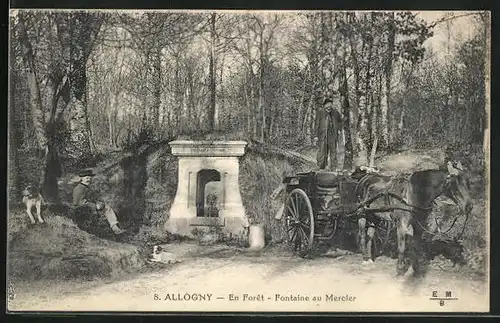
(132, 207)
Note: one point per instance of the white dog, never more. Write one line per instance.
(162, 256)
(33, 199)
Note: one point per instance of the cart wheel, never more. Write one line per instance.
(299, 222)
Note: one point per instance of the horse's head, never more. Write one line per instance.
(457, 187)
(453, 182)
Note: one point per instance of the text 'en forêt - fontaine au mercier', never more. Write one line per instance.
(276, 297)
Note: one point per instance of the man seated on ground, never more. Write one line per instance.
(84, 196)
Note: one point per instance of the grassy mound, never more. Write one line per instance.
(59, 249)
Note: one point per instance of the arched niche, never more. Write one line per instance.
(207, 194)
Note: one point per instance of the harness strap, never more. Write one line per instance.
(362, 182)
(451, 227)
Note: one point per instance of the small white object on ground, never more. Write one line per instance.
(256, 237)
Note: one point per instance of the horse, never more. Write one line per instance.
(418, 190)
(368, 187)
(423, 188)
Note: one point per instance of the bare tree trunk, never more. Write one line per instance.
(363, 133)
(157, 83)
(301, 109)
(312, 122)
(248, 112)
(189, 103)
(401, 120)
(271, 124)
(15, 133)
(80, 42)
(261, 100)
(392, 127)
(307, 126)
(384, 122)
(110, 128)
(356, 108)
(306, 129)
(220, 108)
(212, 75)
(375, 132)
(310, 119)
(80, 132)
(37, 108)
(348, 151)
(386, 106)
(374, 151)
(255, 112)
(178, 102)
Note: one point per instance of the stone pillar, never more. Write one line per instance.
(194, 156)
(232, 209)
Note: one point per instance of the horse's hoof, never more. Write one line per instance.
(367, 262)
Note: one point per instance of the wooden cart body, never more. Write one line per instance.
(318, 201)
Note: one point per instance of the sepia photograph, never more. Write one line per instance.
(309, 161)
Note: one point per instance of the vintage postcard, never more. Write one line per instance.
(248, 161)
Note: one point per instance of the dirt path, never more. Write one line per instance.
(220, 272)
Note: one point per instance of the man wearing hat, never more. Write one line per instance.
(328, 127)
(83, 195)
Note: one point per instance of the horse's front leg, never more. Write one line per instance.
(370, 235)
(401, 236)
(362, 237)
(420, 261)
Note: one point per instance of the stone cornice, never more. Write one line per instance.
(207, 148)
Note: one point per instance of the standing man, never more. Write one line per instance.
(84, 196)
(328, 127)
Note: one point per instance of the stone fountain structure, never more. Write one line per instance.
(207, 168)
